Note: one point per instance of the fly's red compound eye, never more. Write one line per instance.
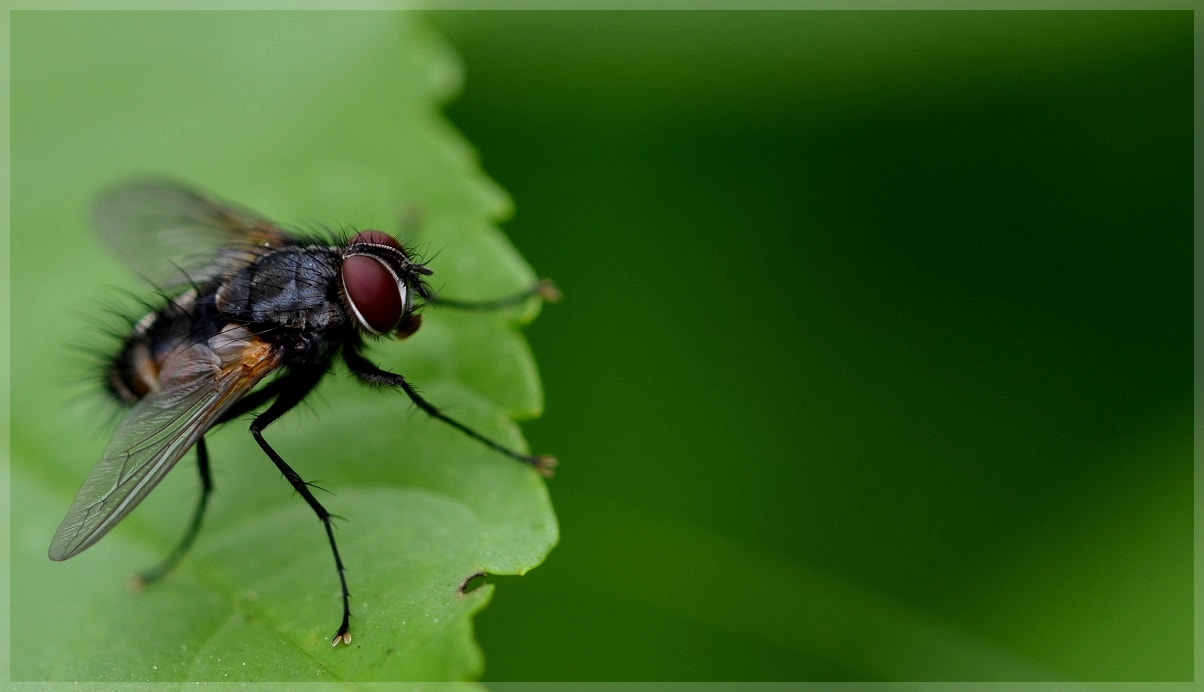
(376, 295)
(375, 238)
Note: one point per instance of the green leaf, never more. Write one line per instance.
(312, 119)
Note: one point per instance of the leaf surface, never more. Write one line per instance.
(315, 120)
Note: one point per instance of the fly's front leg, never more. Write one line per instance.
(544, 288)
(294, 387)
(373, 375)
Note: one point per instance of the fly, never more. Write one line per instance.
(253, 318)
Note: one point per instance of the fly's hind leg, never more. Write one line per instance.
(248, 403)
(157, 572)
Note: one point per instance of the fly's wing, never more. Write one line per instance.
(172, 235)
(197, 385)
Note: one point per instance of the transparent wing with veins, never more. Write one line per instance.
(197, 385)
(172, 235)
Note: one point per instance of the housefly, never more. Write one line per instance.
(251, 318)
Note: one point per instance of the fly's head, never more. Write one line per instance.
(379, 283)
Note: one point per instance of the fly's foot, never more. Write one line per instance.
(147, 577)
(545, 464)
(547, 290)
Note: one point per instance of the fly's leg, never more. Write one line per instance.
(369, 373)
(544, 288)
(248, 403)
(295, 387)
(157, 572)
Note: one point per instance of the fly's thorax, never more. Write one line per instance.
(291, 290)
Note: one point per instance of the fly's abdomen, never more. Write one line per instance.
(133, 372)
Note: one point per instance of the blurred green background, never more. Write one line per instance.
(875, 359)
(875, 356)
